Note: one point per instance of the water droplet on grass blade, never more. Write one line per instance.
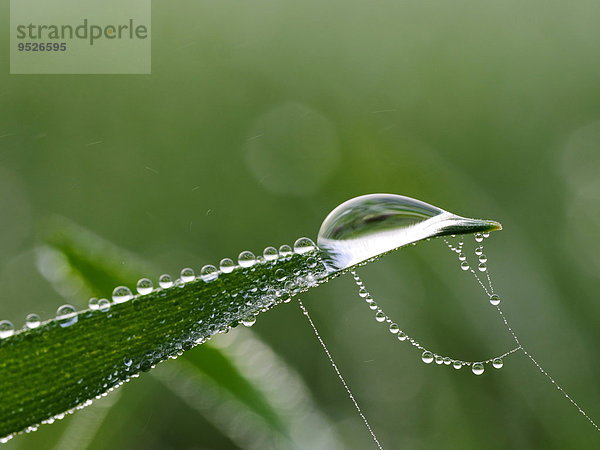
(209, 273)
(497, 363)
(371, 225)
(464, 265)
(270, 254)
(93, 303)
(66, 315)
(187, 274)
(32, 321)
(144, 286)
(121, 294)
(246, 259)
(227, 265)
(6, 329)
(103, 305)
(165, 281)
(249, 321)
(285, 250)
(303, 245)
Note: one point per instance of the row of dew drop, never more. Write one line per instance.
(67, 315)
(428, 357)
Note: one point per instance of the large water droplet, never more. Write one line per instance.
(439, 359)
(380, 316)
(479, 251)
(165, 281)
(394, 328)
(227, 265)
(66, 315)
(6, 329)
(464, 265)
(371, 225)
(246, 259)
(477, 368)
(187, 274)
(482, 267)
(427, 357)
(121, 294)
(303, 245)
(497, 363)
(144, 286)
(32, 321)
(209, 273)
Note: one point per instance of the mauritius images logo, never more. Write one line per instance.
(80, 37)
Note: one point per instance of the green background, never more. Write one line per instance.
(259, 118)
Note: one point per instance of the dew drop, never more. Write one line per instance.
(457, 365)
(439, 359)
(464, 265)
(270, 254)
(402, 336)
(32, 321)
(227, 265)
(303, 245)
(494, 299)
(447, 360)
(93, 303)
(482, 258)
(497, 363)
(380, 316)
(482, 267)
(121, 294)
(187, 274)
(479, 251)
(478, 237)
(246, 259)
(485, 235)
(6, 329)
(285, 250)
(427, 357)
(249, 320)
(394, 328)
(477, 368)
(127, 362)
(371, 225)
(362, 292)
(103, 305)
(66, 315)
(462, 257)
(209, 273)
(165, 281)
(144, 286)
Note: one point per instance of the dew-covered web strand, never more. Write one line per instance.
(339, 375)
(427, 356)
(490, 293)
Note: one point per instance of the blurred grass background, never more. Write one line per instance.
(259, 118)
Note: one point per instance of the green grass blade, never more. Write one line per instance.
(55, 368)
